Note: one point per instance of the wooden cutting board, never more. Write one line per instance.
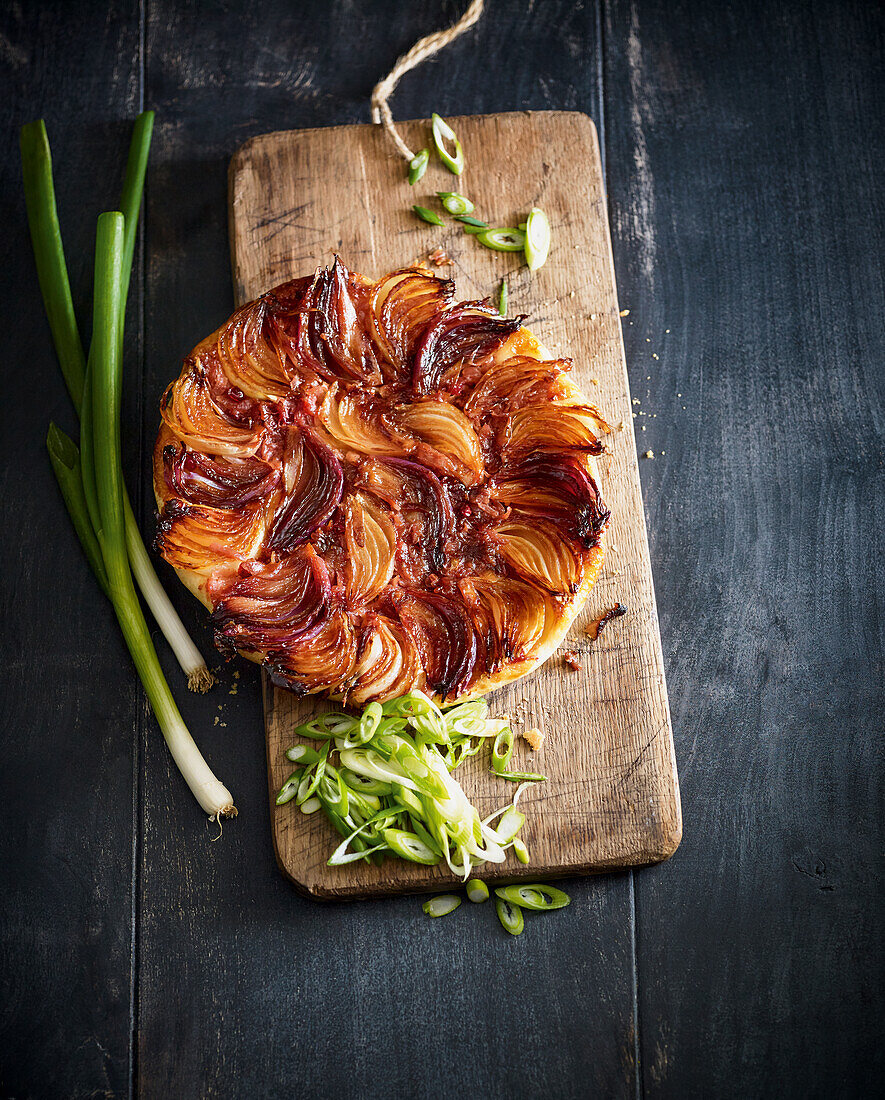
(299, 197)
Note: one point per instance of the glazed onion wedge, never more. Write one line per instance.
(408, 504)
(370, 541)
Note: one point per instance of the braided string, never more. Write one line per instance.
(424, 48)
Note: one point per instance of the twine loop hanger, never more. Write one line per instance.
(426, 47)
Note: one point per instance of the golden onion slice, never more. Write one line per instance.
(445, 428)
(249, 361)
(191, 411)
(370, 542)
(536, 550)
(388, 665)
(556, 427)
(402, 306)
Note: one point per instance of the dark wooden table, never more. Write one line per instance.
(742, 143)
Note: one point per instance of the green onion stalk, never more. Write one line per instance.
(52, 274)
(105, 397)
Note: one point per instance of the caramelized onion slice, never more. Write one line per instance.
(195, 537)
(518, 612)
(445, 428)
(216, 482)
(460, 336)
(195, 416)
(515, 383)
(353, 424)
(388, 664)
(324, 661)
(403, 304)
(276, 605)
(556, 427)
(248, 358)
(328, 333)
(560, 488)
(370, 541)
(314, 482)
(422, 499)
(443, 631)
(537, 551)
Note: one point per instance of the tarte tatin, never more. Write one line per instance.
(374, 489)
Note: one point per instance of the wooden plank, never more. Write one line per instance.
(296, 198)
(748, 244)
(70, 703)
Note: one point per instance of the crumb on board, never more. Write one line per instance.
(570, 658)
(534, 737)
(636, 401)
(440, 258)
(648, 454)
(624, 313)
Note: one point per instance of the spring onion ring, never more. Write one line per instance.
(454, 203)
(510, 916)
(443, 132)
(418, 166)
(502, 239)
(537, 238)
(441, 905)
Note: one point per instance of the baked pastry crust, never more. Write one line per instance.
(374, 490)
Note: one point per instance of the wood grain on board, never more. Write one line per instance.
(299, 197)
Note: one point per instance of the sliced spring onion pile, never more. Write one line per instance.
(384, 782)
(90, 478)
(531, 236)
(53, 277)
(511, 902)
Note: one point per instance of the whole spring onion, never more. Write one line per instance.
(504, 239)
(537, 238)
(441, 905)
(55, 287)
(105, 395)
(454, 203)
(65, 459)
(418, 166)
(510, 916)
(383, 780)
(443, 132)
(428, 215)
